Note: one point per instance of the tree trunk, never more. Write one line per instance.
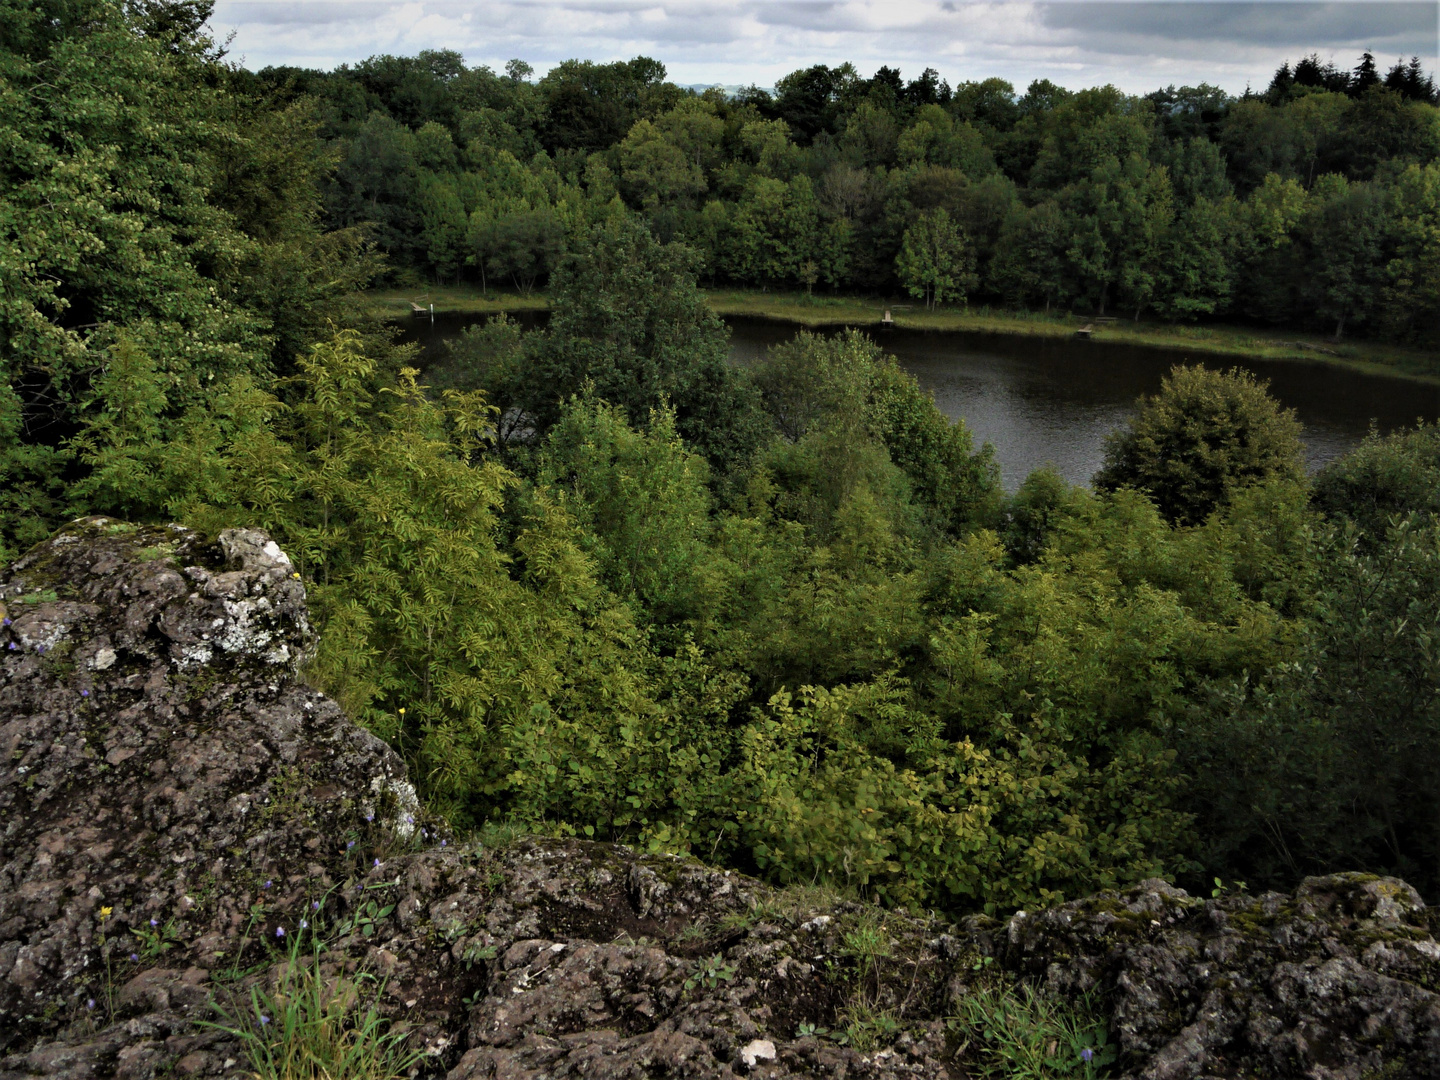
(1339, 326)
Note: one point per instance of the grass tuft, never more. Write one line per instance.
(314, 1027)
(1021, 1034)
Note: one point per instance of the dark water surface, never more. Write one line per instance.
(1051, 401)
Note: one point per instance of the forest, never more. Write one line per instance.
(602, 583)
(1310, 204)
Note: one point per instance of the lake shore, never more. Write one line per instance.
(1235, 342)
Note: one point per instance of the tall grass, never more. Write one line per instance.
(314, 1027)
(1021, 1034)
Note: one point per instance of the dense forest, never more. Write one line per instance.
(1312, 204)
(603, 583)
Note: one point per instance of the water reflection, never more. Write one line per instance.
(1046, 401)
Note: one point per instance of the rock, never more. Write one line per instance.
(172, 795)
(755, 1051)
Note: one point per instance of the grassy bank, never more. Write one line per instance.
(466, 299)
(1220, 341)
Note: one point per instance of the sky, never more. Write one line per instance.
(1137, 46)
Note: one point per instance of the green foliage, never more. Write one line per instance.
(595, 580)
(843, 391)
(1106, 200)
(1385, 478)
(161, 240)
(641, 496)
(1325, 764)
(937, 262)
(1205, 436)
(630, 323)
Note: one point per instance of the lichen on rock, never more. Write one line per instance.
(162, 759)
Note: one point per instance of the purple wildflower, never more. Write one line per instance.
(269, 883)
(91, 1003)
(315, 904)
(154, 922)
(134, 957)
(264, 1019)
(377, 864)
(12, 644)
(4, 622)
(1086, 1055)
(304, 925)
(349, 845)
(84, 693)
(279, 931)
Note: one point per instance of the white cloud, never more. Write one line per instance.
(1137, 46)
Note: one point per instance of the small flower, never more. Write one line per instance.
(377, 864)
(154, 922)
(134, 958)
(316, 903)
(279, 931)
(369, 817)
(402, 710)
(1086, 1055)
(304, 925)
(443, 842)
(264, 1019)
(90, 1004)
(268, 884)
(409, 819)
(105, 912)
(84, 693)
(12, 644)
(349, 845)
(4, 622)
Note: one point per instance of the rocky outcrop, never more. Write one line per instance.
(176, 805)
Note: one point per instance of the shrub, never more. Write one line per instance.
(1206, 435)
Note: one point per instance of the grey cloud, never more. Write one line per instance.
(1134, 45)
(1283, 24)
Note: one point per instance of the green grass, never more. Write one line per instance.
(1022, 1034)
(317, 1027)
(1221, 341)
(452, 298)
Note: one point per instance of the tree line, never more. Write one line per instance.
(1311, 204)
(593, 580)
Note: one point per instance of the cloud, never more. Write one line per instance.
(1137, 46)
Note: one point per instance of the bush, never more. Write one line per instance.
(1383, 478)
(1206, 435)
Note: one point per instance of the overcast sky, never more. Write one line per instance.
(1137, 46)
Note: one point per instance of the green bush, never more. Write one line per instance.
(1205, 436)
